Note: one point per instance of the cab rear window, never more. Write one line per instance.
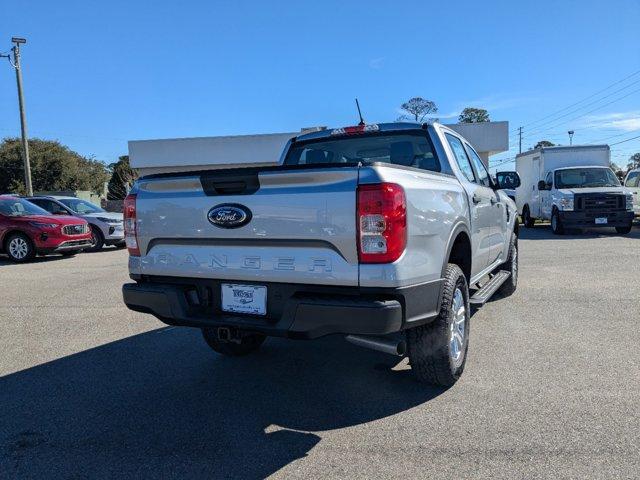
(406, 149)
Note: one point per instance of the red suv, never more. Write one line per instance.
(27, 230)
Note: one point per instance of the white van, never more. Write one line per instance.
(573, 187)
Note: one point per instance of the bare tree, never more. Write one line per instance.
(417, 109)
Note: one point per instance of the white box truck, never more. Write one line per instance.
(573, 187)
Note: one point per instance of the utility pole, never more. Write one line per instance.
(520, 140)
(23, 117)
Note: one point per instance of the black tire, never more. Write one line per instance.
(71, 253)
(511, 265)
(527, 221)
(246, 344)
(556, 224)
(430, 347)
(624, 230)
(97, 239)
(19, 248)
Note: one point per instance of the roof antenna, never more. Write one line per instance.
(359, 113)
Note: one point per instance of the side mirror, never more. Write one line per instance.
(507, 180)
(542, 185)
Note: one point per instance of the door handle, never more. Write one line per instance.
(476, 199)
(494, 201)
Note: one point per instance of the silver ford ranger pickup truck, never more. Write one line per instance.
(383, 233)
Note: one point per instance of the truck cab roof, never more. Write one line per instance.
(579, 166)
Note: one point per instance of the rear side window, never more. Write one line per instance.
(480, 168)
(406, 149)
(49, 206)
(461, 157)
(633, 180)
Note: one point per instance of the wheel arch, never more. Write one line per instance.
(8, 233)
(459, 250)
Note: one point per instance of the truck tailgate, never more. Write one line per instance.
(302, 226)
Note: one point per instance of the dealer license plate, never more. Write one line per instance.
(250, 299)
(601, 221)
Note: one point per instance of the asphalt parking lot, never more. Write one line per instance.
(89, 389)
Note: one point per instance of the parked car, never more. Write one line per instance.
(106, 227)
(376, 232)
(632, 182)
(27, 230)
(573, 187)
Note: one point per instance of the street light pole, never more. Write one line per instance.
(570, 132)
(23, 116)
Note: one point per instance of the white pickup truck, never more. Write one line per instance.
(376, 232)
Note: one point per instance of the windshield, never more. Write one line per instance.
(585, 178)
(407, 149)
(17, 207)
(81, 206)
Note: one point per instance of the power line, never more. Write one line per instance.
(588, 104)
(537, 132)
(623, 141)
(581, 101)
(614, 136)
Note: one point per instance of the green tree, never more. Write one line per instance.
(417, 108)
(122, 178)
(544, 143)
(473, 115)
(53, 167)
(634, 161)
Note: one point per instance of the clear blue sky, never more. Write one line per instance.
(100, 73)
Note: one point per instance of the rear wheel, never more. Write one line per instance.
(526, 217)
(437, 351)
(624, 230)
(19, 247)
(97, 239)
(556, 224)
(239, 344)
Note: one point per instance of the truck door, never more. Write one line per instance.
(497, 212)
(633, 183)
(545, 197)
(480, 207)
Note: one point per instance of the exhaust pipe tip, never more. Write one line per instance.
(395, 346)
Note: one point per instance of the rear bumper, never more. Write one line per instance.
(295, 311)
(588, 219)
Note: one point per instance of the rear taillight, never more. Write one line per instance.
(382, 222)
(130, 227)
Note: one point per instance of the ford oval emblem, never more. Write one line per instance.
(229, 215)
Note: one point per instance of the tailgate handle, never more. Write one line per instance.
(230, 184)
(226, 188)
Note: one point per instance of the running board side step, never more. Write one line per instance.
(488, 289)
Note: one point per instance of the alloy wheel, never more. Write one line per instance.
(514, 265)
(18, 248)
(457, 328)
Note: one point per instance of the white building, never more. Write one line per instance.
(158, 156)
